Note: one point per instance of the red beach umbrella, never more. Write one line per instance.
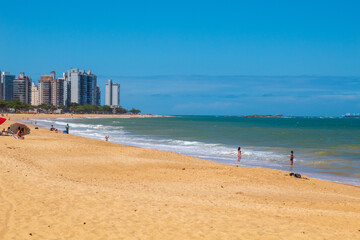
(2, 120)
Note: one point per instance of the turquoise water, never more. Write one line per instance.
(327, 148)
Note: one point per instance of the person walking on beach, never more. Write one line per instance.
(67, 128)
(239, 154)
(106, 137)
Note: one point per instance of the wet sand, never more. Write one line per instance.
(58, 186)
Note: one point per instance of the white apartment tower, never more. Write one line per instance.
(34, 95)
(112, 94)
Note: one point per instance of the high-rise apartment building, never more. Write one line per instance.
(1, 87)
(98, 96)
(80, 86)
(67, 92)
(22, 88)
(112, 93)
(34, 95)
(91, 88)
(51, 90)
(7, 86)
(45, 90)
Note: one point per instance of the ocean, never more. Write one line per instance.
(325, 148)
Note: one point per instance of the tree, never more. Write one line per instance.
(120, 110)
(17, 105)
(80, 109)
(72, 107)
(45, 107)
(73, 104)
(4, 104)
(91, 108)
(135, 111)
(105, 108)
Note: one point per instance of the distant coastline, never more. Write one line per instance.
(266, 116)
(281, 116)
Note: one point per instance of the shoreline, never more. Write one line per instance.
(71, 187)
(318, 175)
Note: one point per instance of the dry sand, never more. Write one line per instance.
(58, 186)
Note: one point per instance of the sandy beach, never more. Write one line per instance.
(59, 186)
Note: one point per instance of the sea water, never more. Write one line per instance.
(325, 148)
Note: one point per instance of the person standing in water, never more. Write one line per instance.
(239, 154)
(67, 128)
(292, 158)
(106, 137)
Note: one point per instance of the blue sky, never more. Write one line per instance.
(196, 57)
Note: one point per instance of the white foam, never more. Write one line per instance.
(211, 151)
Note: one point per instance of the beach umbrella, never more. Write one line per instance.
(2, 120)
(15, 126)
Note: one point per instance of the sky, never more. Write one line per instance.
(196, 57)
